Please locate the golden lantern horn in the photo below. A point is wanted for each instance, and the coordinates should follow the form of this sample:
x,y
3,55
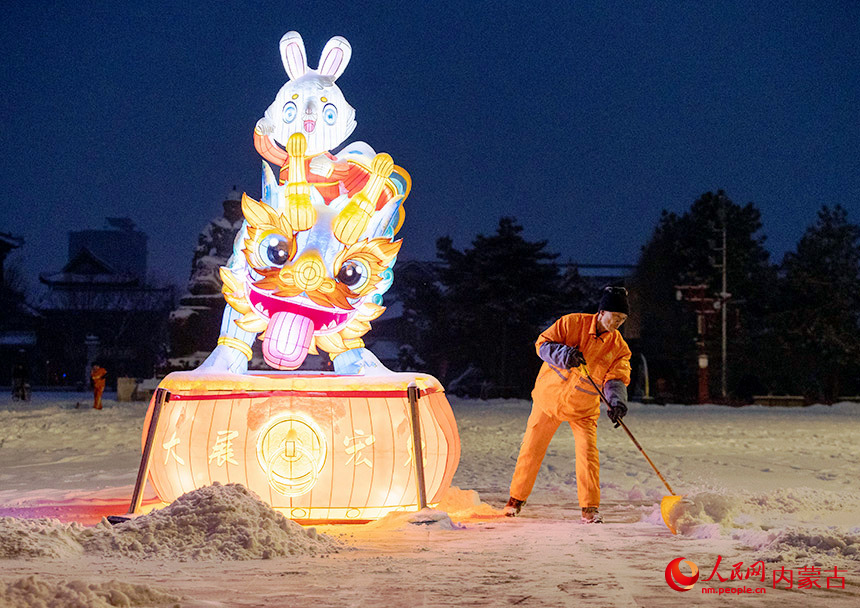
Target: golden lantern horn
x,y
297,191
352,221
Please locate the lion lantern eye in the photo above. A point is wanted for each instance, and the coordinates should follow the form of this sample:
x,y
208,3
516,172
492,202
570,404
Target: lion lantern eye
x,y
353,274
275,249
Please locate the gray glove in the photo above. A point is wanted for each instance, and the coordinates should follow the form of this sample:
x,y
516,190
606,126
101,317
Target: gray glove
x,y
561,355
616,394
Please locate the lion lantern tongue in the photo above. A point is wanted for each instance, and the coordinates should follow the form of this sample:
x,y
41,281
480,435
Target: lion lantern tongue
x,y
287,340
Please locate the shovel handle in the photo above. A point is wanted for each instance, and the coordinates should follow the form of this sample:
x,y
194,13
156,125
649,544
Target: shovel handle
x,y
626,430
636,443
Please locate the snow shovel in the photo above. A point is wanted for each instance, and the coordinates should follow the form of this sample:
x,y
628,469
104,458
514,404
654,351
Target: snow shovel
x,y
668,502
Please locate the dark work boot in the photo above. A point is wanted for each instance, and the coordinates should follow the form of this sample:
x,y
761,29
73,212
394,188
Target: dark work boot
x,y
512,509
591,516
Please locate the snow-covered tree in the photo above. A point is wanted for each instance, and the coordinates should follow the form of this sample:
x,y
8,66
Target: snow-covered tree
x,y
686,249
487,305
819,316
215,246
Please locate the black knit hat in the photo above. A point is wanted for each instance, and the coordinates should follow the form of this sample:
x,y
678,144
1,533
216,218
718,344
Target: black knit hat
x,y
614,299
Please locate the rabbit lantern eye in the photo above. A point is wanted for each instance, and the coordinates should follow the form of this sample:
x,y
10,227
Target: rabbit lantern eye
x,y
353,274
275,249
329,113
290,112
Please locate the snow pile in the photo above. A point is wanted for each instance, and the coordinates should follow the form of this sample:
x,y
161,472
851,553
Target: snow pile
x,y
796,543
456,505
217,522
34,592
213,522
432,517
38,538
805,501
614,492
700,515
780,508
462,504
406,520
799,544
765,522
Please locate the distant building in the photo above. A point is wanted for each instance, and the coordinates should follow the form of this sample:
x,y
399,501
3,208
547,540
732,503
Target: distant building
x,y
98,307
8,243
121,246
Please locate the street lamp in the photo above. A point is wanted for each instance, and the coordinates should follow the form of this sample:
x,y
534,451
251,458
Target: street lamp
x,y
703,377
723,295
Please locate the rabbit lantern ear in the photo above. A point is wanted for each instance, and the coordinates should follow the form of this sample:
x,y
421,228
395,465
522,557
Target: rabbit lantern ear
x,y
293,55
334,58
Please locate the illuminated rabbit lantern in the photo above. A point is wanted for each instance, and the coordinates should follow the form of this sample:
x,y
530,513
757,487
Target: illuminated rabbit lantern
x,y
308,271
316,252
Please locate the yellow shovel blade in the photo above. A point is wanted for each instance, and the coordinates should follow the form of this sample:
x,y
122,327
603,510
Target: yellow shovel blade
x,y
666,505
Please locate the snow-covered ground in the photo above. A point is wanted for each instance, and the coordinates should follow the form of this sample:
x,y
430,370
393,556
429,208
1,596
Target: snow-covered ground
x,y
771,484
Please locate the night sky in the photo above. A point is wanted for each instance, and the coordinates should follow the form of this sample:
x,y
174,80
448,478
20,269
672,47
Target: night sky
x,y
581,119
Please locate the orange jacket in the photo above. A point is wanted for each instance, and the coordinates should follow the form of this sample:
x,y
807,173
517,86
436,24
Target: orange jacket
x,y
98,374
566,393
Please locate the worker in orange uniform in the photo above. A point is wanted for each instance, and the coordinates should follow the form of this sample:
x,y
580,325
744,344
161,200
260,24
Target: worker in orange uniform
x,y
563,393
98,374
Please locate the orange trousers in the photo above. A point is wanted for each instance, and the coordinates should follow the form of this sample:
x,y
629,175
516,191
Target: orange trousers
x,y
539,431
97,396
